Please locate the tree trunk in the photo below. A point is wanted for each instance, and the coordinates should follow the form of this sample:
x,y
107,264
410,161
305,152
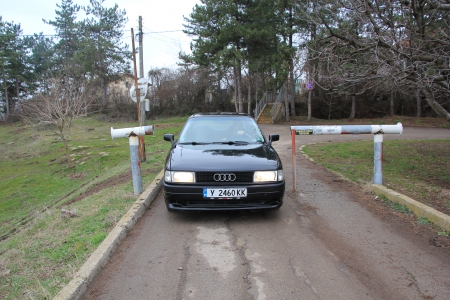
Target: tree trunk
x,y
239,85
436,106
419,104
6,93
291,70
235,90
104,88
249,104
286,100
329,109
391,108
309,104
17,91
313,67
256,91
353,112
292,89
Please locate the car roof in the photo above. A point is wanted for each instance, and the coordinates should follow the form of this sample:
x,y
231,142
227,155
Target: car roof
x,y
220,114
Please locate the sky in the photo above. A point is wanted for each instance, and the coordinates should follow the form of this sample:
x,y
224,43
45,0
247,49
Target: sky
x,y
162,22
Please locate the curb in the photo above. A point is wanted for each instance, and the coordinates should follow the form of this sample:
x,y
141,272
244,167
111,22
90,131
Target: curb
x,y
419,209
100,257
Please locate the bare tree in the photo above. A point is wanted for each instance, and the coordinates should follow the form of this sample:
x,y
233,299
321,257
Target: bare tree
x,y
66,101
394,46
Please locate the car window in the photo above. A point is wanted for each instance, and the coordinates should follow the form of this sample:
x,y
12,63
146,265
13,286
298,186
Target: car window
x,y
221,130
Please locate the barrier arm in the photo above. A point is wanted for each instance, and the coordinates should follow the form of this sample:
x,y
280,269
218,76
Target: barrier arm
x,y
377,130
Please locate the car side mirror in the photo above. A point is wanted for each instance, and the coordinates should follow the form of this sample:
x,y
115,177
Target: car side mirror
x,y
170,138
273,138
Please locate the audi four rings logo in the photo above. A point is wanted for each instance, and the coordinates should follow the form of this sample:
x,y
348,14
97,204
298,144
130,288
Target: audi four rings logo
x,y
224,177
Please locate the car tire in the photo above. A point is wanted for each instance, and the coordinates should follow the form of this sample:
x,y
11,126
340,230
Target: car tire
x,y
168,208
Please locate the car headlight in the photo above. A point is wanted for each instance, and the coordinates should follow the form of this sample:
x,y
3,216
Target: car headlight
x,y
179,177
265,176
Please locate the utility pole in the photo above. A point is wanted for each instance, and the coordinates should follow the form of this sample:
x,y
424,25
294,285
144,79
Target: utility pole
x,y
142,103
141,145
138,100
141,52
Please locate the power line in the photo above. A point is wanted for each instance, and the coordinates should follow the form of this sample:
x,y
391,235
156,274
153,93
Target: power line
x,y
170,42
164,31
165,38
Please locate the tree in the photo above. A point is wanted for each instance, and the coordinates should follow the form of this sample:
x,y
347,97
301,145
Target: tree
x,y
253,35
42,61
66,100
102,53
387,45
92,48
13,62
217,45
68,31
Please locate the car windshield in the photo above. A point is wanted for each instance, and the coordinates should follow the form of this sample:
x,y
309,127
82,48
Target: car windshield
x,y
224,130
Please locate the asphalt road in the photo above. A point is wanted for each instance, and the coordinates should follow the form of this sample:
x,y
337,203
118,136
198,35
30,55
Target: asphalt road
x,y
321,244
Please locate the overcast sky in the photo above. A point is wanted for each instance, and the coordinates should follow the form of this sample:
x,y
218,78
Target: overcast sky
x,y
162,24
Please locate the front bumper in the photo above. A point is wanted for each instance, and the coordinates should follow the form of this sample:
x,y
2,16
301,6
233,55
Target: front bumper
x,y
190,197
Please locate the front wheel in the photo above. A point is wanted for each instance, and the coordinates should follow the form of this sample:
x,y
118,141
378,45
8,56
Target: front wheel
x,y
168,208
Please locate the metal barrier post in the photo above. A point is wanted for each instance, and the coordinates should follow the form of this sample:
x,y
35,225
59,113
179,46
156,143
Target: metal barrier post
x,y
294,165
378,158
135,164
133,135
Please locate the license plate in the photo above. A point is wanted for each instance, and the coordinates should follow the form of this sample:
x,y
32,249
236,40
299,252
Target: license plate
x,y
225,193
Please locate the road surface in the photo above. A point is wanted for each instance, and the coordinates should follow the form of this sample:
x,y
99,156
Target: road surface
x,y
326,242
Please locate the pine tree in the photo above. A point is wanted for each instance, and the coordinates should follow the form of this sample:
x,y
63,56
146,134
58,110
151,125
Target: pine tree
x,y
68,31
103,54
13,63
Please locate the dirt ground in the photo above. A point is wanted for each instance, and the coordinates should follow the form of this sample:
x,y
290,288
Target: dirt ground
x,y
399,221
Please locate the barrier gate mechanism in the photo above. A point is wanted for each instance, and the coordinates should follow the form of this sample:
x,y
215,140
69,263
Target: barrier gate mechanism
x,y
132,134
376,130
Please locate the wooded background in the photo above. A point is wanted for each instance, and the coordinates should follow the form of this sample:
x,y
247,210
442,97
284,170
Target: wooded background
x,y
365,58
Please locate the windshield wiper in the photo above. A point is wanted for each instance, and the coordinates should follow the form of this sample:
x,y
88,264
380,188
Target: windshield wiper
x,y
232,143
194,143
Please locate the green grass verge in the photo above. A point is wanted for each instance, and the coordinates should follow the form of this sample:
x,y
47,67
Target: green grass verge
x,y
40,249
419,169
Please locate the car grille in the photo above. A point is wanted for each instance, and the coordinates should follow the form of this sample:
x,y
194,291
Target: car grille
x,y
209,176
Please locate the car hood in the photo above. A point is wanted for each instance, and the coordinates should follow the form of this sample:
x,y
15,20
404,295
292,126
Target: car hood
x,y
223,157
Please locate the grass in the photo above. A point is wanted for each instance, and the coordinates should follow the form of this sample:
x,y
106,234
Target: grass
x,y
418,169
397,206
40,249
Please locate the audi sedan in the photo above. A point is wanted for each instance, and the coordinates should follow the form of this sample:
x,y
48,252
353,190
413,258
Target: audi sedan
x,y
222,161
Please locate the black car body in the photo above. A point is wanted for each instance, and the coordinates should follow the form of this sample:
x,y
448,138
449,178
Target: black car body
x,y
211,167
